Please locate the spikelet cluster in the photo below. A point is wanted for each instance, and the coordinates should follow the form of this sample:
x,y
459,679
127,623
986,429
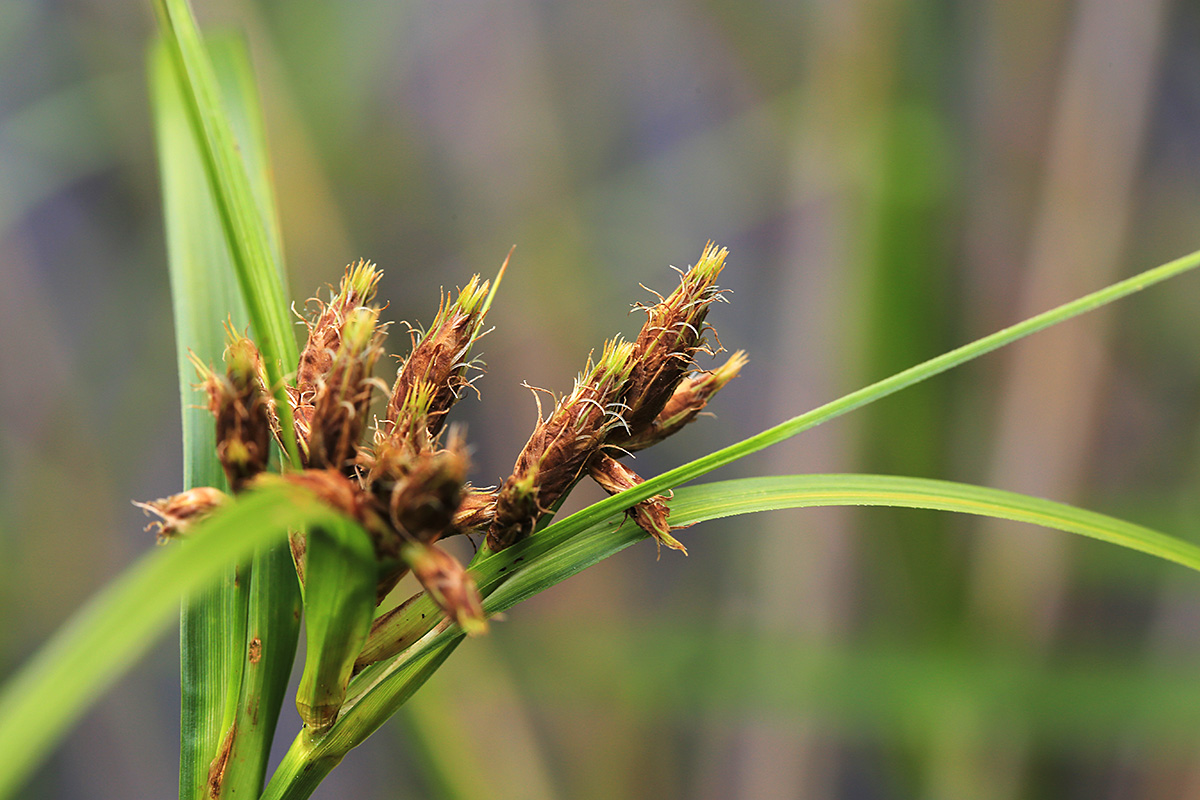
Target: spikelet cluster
x,y
636,395
407,483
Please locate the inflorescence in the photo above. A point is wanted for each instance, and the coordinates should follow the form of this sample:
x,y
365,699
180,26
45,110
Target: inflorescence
x,y
406,482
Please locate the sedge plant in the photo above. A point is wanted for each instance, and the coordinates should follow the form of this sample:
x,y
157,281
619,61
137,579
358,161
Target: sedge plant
x,y
300,501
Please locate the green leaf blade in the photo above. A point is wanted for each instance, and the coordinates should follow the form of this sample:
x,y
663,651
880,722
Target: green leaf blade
x,y
729,498
204,293
563,549
242,219
222,689
880,389
53,688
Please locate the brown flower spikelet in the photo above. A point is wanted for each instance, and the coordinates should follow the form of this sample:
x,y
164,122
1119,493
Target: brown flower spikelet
x,y
557,452
476,510
398,442
357,288
239,402
650,514
343,395
668,342
440,357
688,400
449,585
424,501
180,511
419,482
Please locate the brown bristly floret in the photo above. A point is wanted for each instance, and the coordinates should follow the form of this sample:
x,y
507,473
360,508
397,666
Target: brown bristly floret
x,y
650,514
398,442
441,357
665,349
424,501
686,403
477,509
357,288
560,446
421,500
240,404
449,585
180,511
420,482
343,395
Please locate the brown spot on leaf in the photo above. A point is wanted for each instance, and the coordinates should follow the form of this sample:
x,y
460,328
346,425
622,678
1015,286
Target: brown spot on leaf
x,y
216,771
255,650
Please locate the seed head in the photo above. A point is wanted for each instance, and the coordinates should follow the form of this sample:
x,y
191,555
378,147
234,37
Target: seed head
x,y
557,452
668,342
440,358
180,511
650,514
448,584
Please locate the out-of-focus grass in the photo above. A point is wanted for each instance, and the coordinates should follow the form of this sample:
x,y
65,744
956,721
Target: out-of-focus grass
x,y
607,143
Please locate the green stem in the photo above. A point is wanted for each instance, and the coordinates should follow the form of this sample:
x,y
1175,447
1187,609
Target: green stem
x,y
301,771
311,758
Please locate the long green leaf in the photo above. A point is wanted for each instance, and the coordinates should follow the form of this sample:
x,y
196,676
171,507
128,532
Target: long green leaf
x,y
247,230
222,689
878,390
205,293
509,577
563,549
108,634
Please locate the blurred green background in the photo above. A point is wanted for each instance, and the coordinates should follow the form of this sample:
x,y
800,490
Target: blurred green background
x,y
892,178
